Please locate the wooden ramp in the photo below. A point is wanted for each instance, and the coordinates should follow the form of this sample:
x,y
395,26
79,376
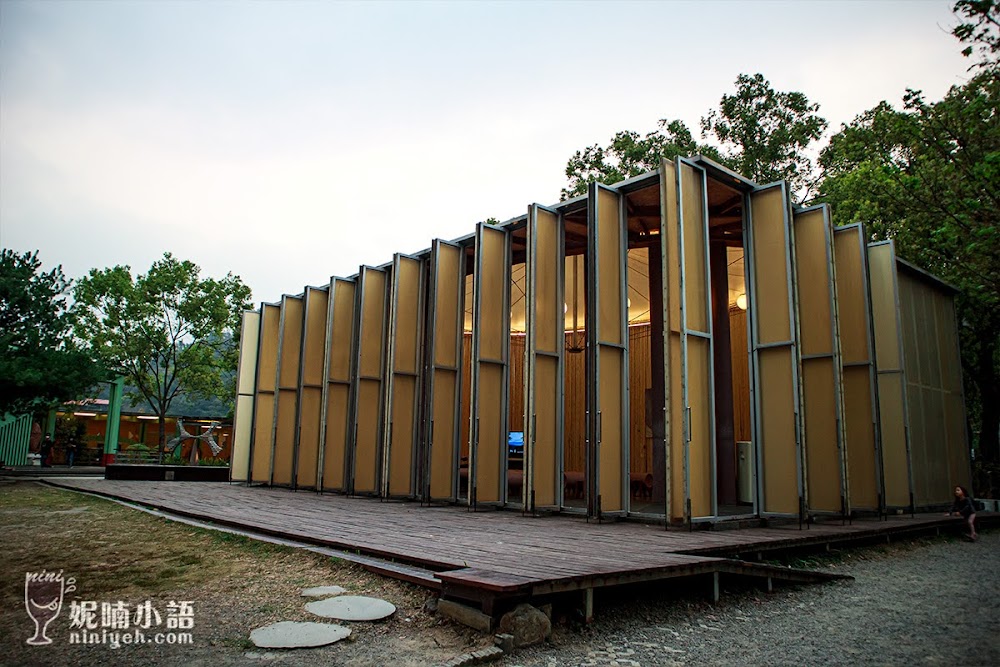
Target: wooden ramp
x,y
498,557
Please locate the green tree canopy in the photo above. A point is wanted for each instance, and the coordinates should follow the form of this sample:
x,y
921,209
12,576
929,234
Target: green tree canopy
x,y
757,131
167,331
765,134
979,30
928,176
630,154
40,361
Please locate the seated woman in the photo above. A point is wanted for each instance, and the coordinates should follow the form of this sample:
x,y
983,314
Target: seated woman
x,y
964,506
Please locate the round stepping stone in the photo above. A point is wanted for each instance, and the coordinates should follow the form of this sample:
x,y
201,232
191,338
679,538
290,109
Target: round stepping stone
x,y
295,634
352,608
323,591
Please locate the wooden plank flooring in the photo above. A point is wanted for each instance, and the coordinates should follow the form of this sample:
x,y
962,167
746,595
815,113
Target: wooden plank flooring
x,y
497,553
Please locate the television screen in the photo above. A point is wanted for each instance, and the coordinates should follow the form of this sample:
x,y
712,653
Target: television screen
x,y
515,441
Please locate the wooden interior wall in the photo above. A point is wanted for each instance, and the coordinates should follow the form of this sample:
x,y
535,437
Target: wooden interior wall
x,y
575,409
640,374
466,409
515,416
516,366
741,374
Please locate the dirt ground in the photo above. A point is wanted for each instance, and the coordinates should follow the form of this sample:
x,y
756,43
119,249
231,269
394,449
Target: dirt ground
x,y
918,601
234,585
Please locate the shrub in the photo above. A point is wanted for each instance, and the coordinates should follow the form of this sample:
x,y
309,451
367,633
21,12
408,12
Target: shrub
x,y
213,461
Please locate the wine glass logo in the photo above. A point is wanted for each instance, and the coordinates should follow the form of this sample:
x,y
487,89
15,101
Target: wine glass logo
x,y
43,598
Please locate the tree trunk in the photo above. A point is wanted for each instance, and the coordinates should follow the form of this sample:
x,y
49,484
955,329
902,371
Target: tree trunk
x,y
162,438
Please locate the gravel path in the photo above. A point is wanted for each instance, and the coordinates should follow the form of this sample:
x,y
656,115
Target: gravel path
x,y
928,602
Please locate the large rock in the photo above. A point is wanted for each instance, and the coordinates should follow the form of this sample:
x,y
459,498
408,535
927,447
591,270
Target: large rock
x,y
352,608
293,634
527,624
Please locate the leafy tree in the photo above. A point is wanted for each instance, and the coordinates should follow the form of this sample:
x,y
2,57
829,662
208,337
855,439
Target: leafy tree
x,y
41,363
71,430
765,134
166,331
630,154
759,132
980,29
927,176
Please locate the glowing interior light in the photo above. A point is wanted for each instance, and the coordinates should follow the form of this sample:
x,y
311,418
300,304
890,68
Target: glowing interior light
x,y
741,302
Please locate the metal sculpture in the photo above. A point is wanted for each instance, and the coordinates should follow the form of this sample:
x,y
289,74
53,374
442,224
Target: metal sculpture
x,y
174,445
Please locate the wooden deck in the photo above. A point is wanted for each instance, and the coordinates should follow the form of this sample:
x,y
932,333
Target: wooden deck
x,y
491,557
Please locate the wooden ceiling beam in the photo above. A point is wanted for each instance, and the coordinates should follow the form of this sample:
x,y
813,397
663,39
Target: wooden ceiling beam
x,y
727,206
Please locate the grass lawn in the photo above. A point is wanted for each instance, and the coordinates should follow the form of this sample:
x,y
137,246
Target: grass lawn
x,y
234,583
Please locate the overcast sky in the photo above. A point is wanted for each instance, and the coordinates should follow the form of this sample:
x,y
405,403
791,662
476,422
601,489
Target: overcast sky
x,y
287,142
